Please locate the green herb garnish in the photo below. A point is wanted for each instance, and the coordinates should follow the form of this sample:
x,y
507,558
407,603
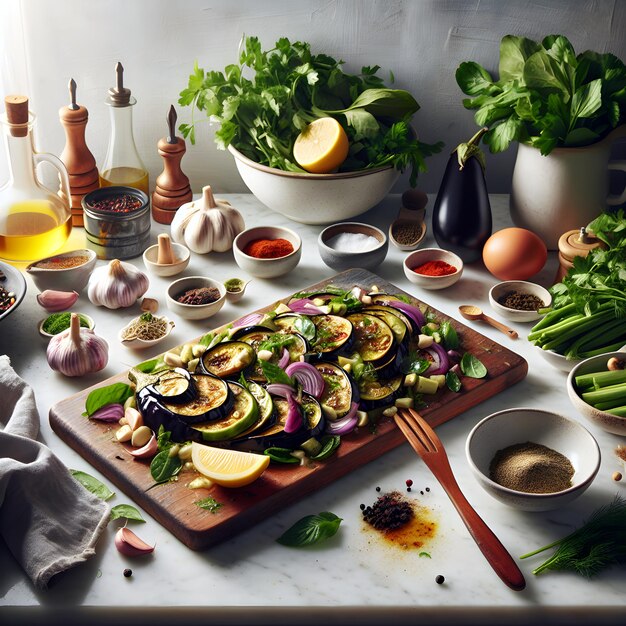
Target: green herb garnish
x,y
265,101
453,382
164,467
93,485
472,367
275,374
209,504
598,544
310,529
281,455
126,511
58,322
117,393
330,443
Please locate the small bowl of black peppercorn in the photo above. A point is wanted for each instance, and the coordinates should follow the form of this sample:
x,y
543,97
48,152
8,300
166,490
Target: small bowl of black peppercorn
x,y
519,300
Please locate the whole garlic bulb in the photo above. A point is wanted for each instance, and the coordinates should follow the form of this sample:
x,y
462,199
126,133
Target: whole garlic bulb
x,y
207,225
77,351
117,285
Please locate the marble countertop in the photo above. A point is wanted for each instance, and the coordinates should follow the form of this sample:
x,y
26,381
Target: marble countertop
x,y
355,576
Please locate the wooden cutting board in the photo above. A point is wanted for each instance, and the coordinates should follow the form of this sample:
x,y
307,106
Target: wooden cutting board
x,y
173,504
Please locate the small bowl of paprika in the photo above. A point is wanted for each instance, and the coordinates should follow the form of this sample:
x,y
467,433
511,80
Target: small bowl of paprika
x,y
433,268
267,251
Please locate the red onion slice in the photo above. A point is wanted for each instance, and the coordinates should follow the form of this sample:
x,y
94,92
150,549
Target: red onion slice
x,y
108,413
305,306
280,389
308,376
284,359
344,425
441,363
409,310
251,319
294,420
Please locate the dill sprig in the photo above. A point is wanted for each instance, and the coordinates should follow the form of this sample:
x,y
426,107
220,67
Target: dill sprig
x,y
599,543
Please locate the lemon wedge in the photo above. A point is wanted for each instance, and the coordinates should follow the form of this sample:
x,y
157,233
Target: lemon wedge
x,y
322,146
228,468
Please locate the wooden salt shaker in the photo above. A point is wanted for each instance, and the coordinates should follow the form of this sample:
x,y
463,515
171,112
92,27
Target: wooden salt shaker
x,y
172,188
76,156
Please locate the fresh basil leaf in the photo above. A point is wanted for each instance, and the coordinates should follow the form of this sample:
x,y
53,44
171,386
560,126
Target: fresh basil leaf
x,y
281,455
453,382
330,443
473,79
514,52
126,511
472,367
305,327
92,485
163,438
147,367
164,467
449,335
275,374
276,342
413,364
209,504
310,529
117,393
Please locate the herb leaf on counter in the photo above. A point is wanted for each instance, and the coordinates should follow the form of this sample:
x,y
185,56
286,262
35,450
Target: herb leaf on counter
x,y
310,529
92,485
126,511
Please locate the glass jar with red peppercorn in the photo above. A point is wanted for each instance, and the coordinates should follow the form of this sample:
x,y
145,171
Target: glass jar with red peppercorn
x,y
117,222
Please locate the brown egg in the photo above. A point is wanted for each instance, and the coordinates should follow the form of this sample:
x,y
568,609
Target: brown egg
x,y
514,254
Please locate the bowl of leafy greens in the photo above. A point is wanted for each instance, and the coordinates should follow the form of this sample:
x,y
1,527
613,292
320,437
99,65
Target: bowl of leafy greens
x,y
270,99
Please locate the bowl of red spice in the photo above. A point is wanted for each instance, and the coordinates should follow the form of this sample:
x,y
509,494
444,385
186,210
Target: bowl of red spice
x,y
531,459
195,297
68,271
433,268
519,300
267,251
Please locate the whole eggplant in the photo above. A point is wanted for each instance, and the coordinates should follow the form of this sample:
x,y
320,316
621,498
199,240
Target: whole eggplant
x,y
462,213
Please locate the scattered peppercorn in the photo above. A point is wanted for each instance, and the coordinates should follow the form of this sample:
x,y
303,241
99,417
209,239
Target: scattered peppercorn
x,y
128,573
362,507
617,476
388,512
118,204
421,493
439,579
409,482
377,488
427,488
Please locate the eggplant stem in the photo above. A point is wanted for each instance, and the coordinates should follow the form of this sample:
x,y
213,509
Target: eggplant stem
x,y
475,140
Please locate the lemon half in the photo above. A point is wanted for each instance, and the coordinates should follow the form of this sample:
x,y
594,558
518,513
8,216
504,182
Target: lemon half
x,y
228,468
322,146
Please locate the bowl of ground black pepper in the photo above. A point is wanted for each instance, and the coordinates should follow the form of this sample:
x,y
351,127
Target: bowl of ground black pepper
x,y
519,300
531,459
267,251
195,297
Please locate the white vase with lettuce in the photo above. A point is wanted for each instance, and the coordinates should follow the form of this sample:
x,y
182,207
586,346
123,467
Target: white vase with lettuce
x,y
565,111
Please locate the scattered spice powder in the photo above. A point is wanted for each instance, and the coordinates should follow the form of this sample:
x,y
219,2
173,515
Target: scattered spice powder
x,y
201,295
521,301
124,203
62,262
531,468
406,233
268,248
435,268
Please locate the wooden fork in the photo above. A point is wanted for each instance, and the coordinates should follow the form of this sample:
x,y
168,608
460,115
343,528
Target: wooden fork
x,y
428,446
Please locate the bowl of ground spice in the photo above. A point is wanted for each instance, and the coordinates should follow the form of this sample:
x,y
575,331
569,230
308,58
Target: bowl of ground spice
x,y
519,300
195,297
433,268
68,271
267,251
531,459
346,245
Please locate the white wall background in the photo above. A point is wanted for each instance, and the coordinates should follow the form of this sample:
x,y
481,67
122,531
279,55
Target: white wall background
x,y
43,43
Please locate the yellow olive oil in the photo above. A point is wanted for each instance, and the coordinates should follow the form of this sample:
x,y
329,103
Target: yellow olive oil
x,y
127,176
32,229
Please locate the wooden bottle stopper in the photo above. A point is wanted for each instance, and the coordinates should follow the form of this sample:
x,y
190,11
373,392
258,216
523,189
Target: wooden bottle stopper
x,y
172,188
16,108
78,159
165,254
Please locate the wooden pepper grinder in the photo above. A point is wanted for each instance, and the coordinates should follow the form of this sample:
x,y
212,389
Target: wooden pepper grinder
x,y
172,188
78,160
574,243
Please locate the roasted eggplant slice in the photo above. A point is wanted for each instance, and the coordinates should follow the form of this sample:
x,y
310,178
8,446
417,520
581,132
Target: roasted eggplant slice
x,y
228,359
267,414
339,389
244,413
398,326
334,335
374,339
386,310
175,386
380,393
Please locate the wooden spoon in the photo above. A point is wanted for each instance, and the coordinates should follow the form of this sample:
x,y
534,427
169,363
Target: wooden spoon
x,y
470,312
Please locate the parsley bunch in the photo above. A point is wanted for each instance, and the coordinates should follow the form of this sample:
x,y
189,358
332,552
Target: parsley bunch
x,y
290,87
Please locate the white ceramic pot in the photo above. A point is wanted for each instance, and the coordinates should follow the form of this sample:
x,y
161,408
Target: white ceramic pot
x,y
564,190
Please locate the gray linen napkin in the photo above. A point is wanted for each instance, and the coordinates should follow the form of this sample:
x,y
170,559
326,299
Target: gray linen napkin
x,y
48,520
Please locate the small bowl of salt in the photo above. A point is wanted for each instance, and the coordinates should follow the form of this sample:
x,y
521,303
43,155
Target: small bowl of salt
x,y
346,245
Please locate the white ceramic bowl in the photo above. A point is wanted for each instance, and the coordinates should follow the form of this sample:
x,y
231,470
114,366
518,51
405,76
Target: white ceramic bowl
x,y
235,296
341,260
316,198
419,257
43,333
194,311
521,425
13,282
500,290
141,344
267,268
69,279
557,360
606,421
181,253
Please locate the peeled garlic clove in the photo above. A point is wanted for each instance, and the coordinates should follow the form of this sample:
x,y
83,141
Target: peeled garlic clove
x,y
127,542
133,418
148,451
141,436
52,300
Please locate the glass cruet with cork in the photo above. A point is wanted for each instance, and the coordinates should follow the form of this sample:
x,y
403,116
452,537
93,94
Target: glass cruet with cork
x,y
122,164
35,221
